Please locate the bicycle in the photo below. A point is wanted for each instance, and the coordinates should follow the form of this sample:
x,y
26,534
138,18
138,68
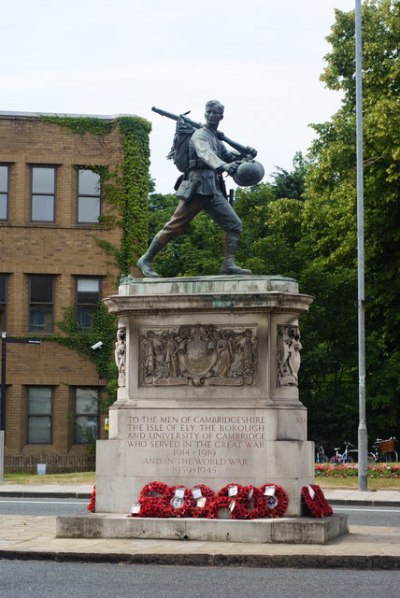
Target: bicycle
x,y
383,450
320,456
343,457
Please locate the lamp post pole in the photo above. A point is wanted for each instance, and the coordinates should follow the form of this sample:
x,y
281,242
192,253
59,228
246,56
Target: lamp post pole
x,y
362,426
3,381
3,402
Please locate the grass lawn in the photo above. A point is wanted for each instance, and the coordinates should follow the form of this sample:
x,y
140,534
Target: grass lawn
x,y
82,477
352,483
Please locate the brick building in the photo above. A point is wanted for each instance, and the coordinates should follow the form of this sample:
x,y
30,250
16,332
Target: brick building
x,y
51,198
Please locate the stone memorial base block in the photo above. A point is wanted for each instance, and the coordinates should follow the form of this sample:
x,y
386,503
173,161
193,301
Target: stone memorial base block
x,y
208,388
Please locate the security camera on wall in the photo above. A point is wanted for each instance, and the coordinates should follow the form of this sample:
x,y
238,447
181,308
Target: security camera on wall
x,y
97,345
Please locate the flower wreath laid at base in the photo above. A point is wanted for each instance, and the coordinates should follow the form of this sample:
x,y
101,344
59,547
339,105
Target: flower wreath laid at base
x,y
233,501
314,502
92,503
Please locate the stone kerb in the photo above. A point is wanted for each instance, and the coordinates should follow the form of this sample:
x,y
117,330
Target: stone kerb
x,y
208,388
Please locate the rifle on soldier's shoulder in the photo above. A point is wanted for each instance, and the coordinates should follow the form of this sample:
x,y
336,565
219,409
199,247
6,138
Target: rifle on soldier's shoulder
x,y
245,151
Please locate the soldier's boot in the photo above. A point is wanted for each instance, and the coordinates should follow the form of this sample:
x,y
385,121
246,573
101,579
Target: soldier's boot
x,y
231,243
145,262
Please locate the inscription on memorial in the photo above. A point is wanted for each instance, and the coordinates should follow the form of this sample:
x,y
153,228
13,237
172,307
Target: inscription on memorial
x,y
197,444
198,355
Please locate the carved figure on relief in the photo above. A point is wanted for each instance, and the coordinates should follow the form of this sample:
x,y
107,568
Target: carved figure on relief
x,y
120,354
288,355
198,355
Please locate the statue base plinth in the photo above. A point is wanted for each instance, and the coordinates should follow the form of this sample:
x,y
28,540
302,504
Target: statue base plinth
x,y
259,531
208,388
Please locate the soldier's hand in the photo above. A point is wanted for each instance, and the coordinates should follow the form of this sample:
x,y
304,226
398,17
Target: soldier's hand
x,y
232,168
183,127
251,152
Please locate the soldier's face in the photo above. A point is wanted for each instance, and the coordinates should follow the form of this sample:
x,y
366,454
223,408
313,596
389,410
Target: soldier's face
x,y
213,117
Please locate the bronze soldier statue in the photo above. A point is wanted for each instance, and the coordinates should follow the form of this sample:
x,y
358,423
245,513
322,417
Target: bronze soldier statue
x,y
201,187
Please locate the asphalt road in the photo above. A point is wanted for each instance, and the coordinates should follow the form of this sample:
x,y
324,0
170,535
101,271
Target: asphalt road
x,y
89,580
42,506
381,516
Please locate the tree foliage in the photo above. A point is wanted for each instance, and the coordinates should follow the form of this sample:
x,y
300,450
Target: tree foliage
x,y
330,225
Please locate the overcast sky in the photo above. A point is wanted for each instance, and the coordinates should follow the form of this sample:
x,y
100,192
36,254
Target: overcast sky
x,y
261,58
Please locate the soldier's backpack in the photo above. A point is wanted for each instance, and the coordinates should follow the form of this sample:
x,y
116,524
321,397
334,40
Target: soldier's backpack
x,y
179,152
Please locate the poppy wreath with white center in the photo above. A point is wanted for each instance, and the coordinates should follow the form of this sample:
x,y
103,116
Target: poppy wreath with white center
x,y
152,506
208,495
229,504
154,489
186,507
275,505
316,506
254,503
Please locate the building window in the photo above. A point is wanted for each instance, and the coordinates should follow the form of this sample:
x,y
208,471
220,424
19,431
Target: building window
x,y
43,193
86,415
87,298
40,400
41,303
89,193
4,175
3,301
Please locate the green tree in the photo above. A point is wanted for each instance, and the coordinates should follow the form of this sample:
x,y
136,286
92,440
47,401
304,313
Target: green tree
x,y
329,222
290,185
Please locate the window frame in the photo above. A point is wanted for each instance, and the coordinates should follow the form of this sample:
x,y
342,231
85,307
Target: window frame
x,y
76,439
53,195
80,195
3,326
49,415
44,330
81,305
6,192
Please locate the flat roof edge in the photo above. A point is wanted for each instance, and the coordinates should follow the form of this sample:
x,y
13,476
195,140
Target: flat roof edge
x,y
6,114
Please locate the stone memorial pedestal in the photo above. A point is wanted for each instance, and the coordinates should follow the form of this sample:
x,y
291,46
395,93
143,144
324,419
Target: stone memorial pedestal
x,y
208,394
208,388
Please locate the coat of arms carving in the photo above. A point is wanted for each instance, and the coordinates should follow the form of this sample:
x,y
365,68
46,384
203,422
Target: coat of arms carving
x,y
198,355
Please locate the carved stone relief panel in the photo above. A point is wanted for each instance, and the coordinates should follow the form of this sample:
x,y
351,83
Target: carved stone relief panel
x,y
120,355
198,355
288,355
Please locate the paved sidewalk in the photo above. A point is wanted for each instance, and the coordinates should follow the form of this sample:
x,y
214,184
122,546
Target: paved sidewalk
x,y
366,547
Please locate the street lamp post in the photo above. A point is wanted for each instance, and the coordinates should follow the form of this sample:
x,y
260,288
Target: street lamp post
x,y
362,426
2,403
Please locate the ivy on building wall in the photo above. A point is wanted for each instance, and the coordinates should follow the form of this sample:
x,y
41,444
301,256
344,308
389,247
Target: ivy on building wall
x,y
136,186
80,124
125,188
103,329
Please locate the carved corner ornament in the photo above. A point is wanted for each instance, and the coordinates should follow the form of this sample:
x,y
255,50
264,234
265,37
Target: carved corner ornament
x,y
120,355
198,355
288,355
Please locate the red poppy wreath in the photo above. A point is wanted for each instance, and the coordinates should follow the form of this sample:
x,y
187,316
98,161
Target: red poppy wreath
x,y
314,502
274,499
